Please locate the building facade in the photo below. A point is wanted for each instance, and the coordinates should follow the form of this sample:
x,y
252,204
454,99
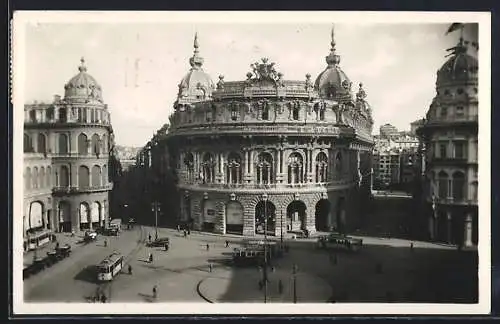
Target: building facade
x,y
66,153
450,137
388,130
295,155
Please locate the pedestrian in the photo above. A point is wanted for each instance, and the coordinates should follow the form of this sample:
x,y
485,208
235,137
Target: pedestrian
x,y
72,233
280,286
149,238
129,269
208,247
178,228
57,245
227,243
189,230
166,247
273,269
411,246
150,257
210,267
155,292
105,242
103,298
185,233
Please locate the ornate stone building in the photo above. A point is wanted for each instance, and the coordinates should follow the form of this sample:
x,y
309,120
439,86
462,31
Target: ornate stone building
x,y
296,152
66,153
449,135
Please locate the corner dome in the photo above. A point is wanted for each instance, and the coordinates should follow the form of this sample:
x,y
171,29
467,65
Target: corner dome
x,y
82,87
196,85
333,82
461,67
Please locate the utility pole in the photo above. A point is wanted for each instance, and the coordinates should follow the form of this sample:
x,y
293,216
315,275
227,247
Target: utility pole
x,y
294,269
281,226
264,197
156,207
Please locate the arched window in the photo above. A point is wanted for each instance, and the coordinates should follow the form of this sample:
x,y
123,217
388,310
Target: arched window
x,y
28,146
96,176
295,168
63,176
104,174
321,167
458,186
83,144
27,179
265,111
233,168
96,149
83,177
62,115
41,144
473,193
265,168
63,144
443,185
208,168
41,176
295,111
105,144
189,165
35,178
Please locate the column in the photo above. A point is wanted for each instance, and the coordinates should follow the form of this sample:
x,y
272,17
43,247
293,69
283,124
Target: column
x,y
449,227
247,164
237,176
251,165
278,166
301,174
468,230
229,174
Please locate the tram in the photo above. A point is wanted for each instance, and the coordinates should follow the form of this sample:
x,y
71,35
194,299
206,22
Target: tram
x,y
37,239
110,267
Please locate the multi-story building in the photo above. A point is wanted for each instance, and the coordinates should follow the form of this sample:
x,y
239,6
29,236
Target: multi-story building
x,y
66,154
415,125
451,151
388,130
290,154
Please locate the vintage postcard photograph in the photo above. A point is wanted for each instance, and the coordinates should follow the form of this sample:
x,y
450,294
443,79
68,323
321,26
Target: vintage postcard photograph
x,y
251,162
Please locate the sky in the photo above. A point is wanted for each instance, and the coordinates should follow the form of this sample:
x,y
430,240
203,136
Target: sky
x,y
139,65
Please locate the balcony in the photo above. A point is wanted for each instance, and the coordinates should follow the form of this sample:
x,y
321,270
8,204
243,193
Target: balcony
x,y
71,155
273,186
74,190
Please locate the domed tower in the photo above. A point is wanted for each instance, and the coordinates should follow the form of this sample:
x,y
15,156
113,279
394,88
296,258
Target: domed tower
x,y
196,84
451,160
266,151
76,135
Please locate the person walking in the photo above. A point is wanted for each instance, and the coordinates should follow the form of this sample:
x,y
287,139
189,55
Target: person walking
x,y
185,233
210,266
103,298
129,269
155,292
280,287
150,257
105,243
208,247
178,228
166,246
227,243
57,245
149,238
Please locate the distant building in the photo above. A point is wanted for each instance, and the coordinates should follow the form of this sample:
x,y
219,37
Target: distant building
x,y
415,125
450,135
388,130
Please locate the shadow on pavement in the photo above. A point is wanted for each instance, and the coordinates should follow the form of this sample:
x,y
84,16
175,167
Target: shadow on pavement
x,y
88,274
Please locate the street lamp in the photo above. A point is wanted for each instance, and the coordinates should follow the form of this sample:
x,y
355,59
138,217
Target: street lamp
x,y
156,208
294,271
264,198
281,226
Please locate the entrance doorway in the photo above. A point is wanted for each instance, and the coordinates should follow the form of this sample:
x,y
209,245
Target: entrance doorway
x,y
263,210
322,214
296,216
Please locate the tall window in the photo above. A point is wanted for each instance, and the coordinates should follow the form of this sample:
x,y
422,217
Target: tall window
x,y
83,177
322,113
459,150
63,176
35,178
96,149
444,112
443,148
83,144
338,162
27,179
41,176
321,167
459,113
41,144
208,168
265,111
62,116
33,116
63,143
189,164
96,176
265,168
234,113
443,185
295,112
458,186
295,168
28,145
80,115
233,168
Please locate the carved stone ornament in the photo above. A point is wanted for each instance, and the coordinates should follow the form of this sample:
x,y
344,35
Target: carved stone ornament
x,y
265,71
232,197
324,195
296,196
205,195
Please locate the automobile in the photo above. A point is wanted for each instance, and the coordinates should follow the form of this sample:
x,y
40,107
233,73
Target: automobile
x,y
63,251
339,241
159,242
90,236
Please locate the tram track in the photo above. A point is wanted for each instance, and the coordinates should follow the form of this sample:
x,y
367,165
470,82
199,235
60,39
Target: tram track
x,y
106,287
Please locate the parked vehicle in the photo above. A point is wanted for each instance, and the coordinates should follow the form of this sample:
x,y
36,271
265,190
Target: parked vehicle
x,y
339,241
159,242
90,236
116,223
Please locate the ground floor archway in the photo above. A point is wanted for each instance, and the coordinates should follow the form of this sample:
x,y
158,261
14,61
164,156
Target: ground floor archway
x,y
209,215
35,218
85,219
265,210
234,217
322,213
296,216
64,210
95,215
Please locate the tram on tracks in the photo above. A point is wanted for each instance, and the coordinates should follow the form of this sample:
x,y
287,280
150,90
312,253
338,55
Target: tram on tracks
x,y
110,267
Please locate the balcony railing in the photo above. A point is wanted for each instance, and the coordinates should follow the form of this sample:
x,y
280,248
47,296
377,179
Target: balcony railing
x,y
75,189
305,185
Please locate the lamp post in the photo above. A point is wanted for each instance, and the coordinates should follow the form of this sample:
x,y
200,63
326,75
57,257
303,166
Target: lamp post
x,y
156,208
294,272
264,197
